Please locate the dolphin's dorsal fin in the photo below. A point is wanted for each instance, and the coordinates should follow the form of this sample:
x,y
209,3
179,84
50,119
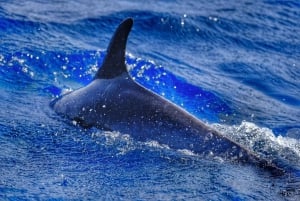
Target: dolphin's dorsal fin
x,y
114,62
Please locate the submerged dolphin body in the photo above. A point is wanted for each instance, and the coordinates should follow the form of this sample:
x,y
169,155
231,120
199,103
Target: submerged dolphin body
x,y
114,101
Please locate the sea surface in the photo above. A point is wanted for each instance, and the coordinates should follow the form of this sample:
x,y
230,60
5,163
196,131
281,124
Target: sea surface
x,y
233,64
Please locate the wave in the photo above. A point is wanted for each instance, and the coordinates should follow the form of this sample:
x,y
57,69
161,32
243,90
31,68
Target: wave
x,y
284,151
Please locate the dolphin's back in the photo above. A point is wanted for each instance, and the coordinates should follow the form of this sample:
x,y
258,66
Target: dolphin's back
x,y
114,101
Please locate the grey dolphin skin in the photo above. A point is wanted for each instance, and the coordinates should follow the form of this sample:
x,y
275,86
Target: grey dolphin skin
x,y
114,101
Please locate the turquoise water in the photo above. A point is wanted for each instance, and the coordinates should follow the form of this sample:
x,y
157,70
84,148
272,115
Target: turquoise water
x,y
235,65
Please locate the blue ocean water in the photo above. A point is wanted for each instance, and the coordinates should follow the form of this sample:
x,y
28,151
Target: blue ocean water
x,y
235,65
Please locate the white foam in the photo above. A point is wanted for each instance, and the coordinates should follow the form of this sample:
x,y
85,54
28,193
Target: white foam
x,y
262,141
257,139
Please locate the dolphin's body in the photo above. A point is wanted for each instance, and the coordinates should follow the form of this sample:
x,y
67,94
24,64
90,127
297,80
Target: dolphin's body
x,y
114,101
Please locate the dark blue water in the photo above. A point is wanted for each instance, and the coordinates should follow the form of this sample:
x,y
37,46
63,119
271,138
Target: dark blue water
x,y
235,65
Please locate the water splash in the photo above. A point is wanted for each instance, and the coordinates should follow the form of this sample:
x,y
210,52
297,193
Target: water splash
x,y
261,140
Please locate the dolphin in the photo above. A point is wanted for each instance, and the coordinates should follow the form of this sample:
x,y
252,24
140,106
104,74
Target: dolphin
x,y
113,101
